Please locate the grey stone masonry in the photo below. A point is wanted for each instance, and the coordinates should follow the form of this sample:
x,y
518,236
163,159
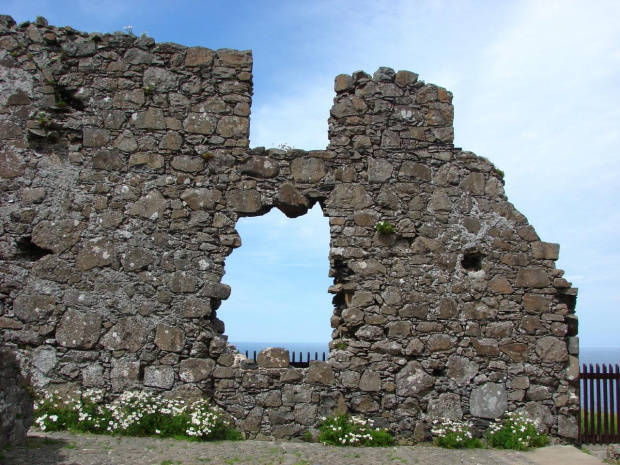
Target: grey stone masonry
x,y
16,404
124,167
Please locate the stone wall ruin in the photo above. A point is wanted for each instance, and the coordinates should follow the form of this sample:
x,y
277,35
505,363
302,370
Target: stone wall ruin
x,y
124,167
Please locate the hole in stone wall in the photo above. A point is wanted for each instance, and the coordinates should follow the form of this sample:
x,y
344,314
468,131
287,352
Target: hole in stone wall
x,y
30,251
66,98
279,280
569,300
472,261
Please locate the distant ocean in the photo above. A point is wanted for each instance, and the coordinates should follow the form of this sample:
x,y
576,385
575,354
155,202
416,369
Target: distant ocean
x,y
588,355
297,347
600,355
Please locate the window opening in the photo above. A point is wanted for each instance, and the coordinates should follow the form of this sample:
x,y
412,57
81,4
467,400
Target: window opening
x,y
279,281
472,261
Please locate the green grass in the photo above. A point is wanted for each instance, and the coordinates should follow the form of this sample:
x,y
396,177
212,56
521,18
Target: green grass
x,y
592,423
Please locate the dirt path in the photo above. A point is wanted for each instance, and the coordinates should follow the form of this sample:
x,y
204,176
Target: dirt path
x,y
63,448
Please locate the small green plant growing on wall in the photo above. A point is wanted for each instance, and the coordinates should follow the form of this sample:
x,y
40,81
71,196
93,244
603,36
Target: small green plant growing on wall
x,y
60,103
149,89
43,119
342,345
286,147
385,227
347,430
129,30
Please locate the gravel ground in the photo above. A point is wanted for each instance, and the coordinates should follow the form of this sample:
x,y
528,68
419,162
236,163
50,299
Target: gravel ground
x,y
64,448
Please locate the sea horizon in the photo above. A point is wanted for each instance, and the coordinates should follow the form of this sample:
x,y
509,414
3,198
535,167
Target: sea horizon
x,y
587,355
297,347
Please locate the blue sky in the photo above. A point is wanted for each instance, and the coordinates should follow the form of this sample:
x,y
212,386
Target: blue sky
x,y
536,90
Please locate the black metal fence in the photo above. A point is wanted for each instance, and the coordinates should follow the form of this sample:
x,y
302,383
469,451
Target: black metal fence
x,y
297,359
599,422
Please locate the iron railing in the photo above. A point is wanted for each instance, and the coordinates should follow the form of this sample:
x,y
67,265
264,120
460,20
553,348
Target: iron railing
x,y
293,358
599,421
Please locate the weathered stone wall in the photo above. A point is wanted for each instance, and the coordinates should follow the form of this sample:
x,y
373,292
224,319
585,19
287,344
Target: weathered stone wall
x,y
16,405
124,168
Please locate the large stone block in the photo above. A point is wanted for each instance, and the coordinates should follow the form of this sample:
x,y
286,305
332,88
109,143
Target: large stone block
x,y
534,303
194,370
136,259
34,307
244,200
159,376
461,369
151,206
551,349
182,282
96,253
370,381
320,373
545,250
412,381
128,334
446,406
348,106
11,163
58,235
108,160
199,56
95,137
169,338
195,307
124,375
349,196
152,118
379,170
188,164
233,126
216,290
291,202
160,80
273,357
438,342
152,160
364,404
200,123
489,401
79,330
518,352
308,169
532,277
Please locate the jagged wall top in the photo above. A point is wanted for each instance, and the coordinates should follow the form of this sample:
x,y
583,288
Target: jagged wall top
x,y
417,114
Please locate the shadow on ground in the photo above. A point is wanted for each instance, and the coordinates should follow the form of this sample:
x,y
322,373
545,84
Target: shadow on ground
x,y
37,450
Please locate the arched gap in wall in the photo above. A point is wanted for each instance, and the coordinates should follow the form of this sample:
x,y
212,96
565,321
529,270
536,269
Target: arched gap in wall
x,y
279,281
